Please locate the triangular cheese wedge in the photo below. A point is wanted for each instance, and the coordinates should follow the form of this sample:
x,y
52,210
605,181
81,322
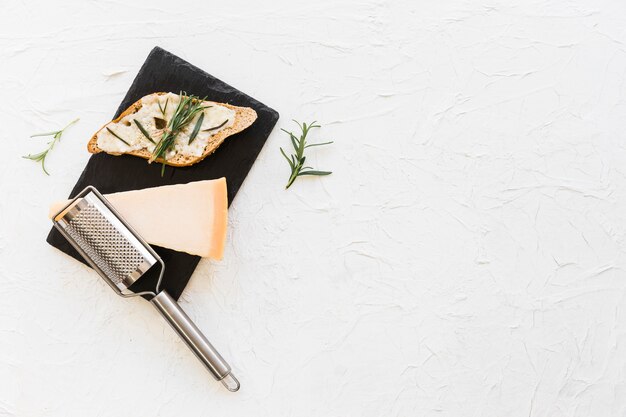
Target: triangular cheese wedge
x,y
188,218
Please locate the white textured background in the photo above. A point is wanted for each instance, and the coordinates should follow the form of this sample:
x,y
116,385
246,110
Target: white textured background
x,y
466,258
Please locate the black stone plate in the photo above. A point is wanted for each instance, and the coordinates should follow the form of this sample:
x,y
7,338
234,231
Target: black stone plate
x,y
164,71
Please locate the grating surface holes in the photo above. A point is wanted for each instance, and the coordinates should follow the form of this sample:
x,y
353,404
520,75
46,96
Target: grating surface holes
x,y
106,247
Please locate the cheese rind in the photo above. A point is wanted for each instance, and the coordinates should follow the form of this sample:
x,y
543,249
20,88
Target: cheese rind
x,y
188,218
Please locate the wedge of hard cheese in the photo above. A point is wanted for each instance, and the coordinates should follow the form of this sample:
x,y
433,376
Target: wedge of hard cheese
x,y
188,218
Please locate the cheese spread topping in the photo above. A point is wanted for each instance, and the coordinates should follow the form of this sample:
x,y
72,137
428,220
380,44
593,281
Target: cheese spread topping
x,y
130,138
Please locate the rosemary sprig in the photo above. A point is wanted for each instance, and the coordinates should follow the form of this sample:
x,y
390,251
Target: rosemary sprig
x,y
117,136
143,130
188,107
41,156
296,161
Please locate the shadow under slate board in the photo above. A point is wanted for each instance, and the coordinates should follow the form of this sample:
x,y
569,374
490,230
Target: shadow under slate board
x,y
164,71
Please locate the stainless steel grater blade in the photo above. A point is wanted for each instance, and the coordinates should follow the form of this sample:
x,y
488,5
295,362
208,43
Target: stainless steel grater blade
x,y
117,254
120,256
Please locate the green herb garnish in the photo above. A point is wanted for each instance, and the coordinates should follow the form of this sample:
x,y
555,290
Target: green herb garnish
x,y
164,107
216,127
196,128
296,162
187,108
56,136
144,131
117,136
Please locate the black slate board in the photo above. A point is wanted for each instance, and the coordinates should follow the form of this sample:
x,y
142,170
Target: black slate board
x,y
164,71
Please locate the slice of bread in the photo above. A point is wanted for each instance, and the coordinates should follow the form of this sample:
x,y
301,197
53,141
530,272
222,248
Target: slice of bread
x,y
244,117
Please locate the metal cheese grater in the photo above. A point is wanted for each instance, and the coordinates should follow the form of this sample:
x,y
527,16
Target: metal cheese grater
x,y
121,257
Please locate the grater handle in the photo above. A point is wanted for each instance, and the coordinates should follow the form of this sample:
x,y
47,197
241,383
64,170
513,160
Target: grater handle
x,y
194,339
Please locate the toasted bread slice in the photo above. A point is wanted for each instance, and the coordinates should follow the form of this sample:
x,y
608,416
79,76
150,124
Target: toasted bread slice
x,y
244,117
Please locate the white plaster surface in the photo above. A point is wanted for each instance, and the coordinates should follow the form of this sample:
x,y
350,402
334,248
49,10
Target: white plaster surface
x,y
466,258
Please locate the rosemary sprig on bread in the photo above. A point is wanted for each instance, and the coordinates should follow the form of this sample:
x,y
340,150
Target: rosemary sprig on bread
x,y
188,107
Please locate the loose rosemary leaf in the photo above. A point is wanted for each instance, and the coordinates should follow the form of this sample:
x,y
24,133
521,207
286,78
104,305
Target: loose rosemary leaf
x,y
196,128
216,127
315,173
143,131
117,136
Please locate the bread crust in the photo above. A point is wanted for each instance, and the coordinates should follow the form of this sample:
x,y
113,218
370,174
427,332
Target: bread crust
x,y
244,117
